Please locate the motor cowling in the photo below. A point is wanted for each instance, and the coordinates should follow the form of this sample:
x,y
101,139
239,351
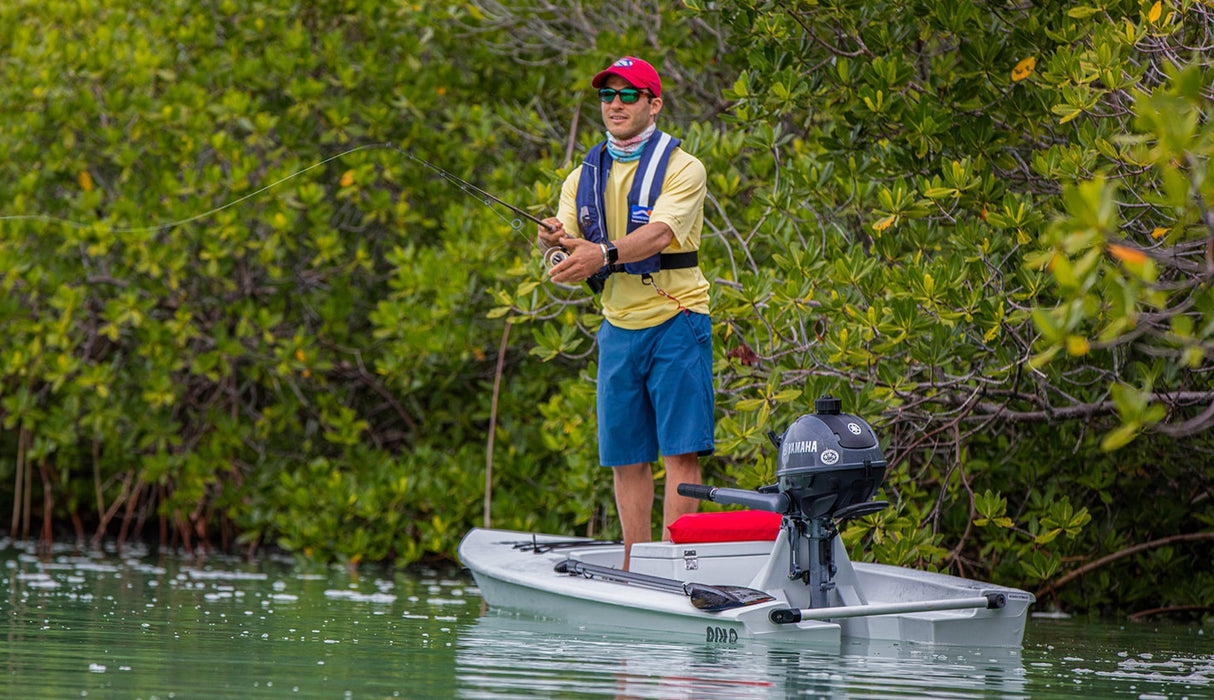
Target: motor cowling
x,y
828,461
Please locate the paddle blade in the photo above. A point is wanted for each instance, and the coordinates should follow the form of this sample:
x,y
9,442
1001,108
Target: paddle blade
x,y
718,598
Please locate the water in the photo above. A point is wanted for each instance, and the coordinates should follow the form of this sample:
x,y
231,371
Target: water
x,y
80,624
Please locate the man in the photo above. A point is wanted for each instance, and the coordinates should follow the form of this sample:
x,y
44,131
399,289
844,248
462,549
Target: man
x,y
630,219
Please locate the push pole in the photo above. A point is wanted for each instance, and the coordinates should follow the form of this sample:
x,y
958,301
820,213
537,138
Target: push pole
x,y
786,616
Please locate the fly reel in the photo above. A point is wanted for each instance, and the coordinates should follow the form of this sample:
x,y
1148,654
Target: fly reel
x,y
553,257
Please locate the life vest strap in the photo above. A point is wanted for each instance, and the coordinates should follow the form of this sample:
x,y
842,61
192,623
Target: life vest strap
x,y
669,261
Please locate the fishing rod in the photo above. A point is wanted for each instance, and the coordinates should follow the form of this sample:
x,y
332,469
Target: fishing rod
x,y
552,255
473,189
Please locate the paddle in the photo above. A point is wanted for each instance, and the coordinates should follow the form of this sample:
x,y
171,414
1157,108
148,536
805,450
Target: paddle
x,y
710,598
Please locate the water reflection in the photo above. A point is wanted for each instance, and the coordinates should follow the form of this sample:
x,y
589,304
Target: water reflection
x,y
502,655
135,625
1140,660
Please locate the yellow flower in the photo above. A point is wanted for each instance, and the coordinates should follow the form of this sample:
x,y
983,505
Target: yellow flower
x,y
1024,68
85,180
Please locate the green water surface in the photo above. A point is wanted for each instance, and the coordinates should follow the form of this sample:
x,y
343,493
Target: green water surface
x,y
133,625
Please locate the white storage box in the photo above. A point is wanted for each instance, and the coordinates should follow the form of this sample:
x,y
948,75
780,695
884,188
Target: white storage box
x,y
721,563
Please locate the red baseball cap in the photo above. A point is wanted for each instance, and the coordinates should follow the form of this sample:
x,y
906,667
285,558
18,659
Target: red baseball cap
x,y
638,73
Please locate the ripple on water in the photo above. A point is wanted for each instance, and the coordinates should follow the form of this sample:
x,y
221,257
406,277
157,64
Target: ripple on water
x,y
133,626
357,597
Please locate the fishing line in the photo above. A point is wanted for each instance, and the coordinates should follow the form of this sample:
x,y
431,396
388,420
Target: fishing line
x,y
211,212
468,188
552,255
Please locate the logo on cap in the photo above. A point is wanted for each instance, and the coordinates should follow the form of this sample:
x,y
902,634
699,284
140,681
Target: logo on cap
x,y
623,63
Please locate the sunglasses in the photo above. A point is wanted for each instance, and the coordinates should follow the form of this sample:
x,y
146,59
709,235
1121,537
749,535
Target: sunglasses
x,y
627,95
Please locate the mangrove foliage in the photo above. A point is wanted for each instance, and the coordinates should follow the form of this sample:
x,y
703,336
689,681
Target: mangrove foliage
x,y
238,311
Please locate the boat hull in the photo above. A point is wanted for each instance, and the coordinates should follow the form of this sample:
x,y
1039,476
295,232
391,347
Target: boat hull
x,y
516,571
526,581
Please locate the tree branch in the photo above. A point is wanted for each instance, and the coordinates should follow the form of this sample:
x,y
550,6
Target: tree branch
x,y
1087,568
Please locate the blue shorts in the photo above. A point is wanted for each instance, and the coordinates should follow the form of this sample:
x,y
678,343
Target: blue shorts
x,y
655,390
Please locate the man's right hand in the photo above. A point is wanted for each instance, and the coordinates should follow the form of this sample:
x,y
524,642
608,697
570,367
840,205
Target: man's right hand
x,y
551,238
584,259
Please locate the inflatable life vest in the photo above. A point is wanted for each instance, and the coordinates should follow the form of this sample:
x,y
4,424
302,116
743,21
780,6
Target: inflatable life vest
x,y
646,186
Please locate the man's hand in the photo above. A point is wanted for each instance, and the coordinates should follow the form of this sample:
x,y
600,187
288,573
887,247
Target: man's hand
x,y
585,259
551,237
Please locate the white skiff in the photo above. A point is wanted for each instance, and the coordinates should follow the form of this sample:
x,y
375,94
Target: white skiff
x,y
519,571
788,580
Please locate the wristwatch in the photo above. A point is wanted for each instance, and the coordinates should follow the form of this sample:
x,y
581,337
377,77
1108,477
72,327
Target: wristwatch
x,y
612,254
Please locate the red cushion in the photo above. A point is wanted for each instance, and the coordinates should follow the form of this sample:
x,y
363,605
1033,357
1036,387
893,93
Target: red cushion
x,y
729,526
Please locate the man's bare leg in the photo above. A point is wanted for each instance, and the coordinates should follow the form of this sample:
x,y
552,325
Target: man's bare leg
x,y
634,501
680,469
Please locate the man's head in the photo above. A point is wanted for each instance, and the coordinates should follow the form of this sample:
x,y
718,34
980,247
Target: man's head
x,y
630,95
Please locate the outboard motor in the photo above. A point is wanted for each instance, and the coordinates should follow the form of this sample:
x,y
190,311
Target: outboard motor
x,y
829,462
828,468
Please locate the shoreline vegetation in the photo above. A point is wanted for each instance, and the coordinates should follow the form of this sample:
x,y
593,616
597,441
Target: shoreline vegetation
x,y
230,321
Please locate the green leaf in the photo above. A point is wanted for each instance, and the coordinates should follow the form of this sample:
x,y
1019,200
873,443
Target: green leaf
x,y
1120,436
